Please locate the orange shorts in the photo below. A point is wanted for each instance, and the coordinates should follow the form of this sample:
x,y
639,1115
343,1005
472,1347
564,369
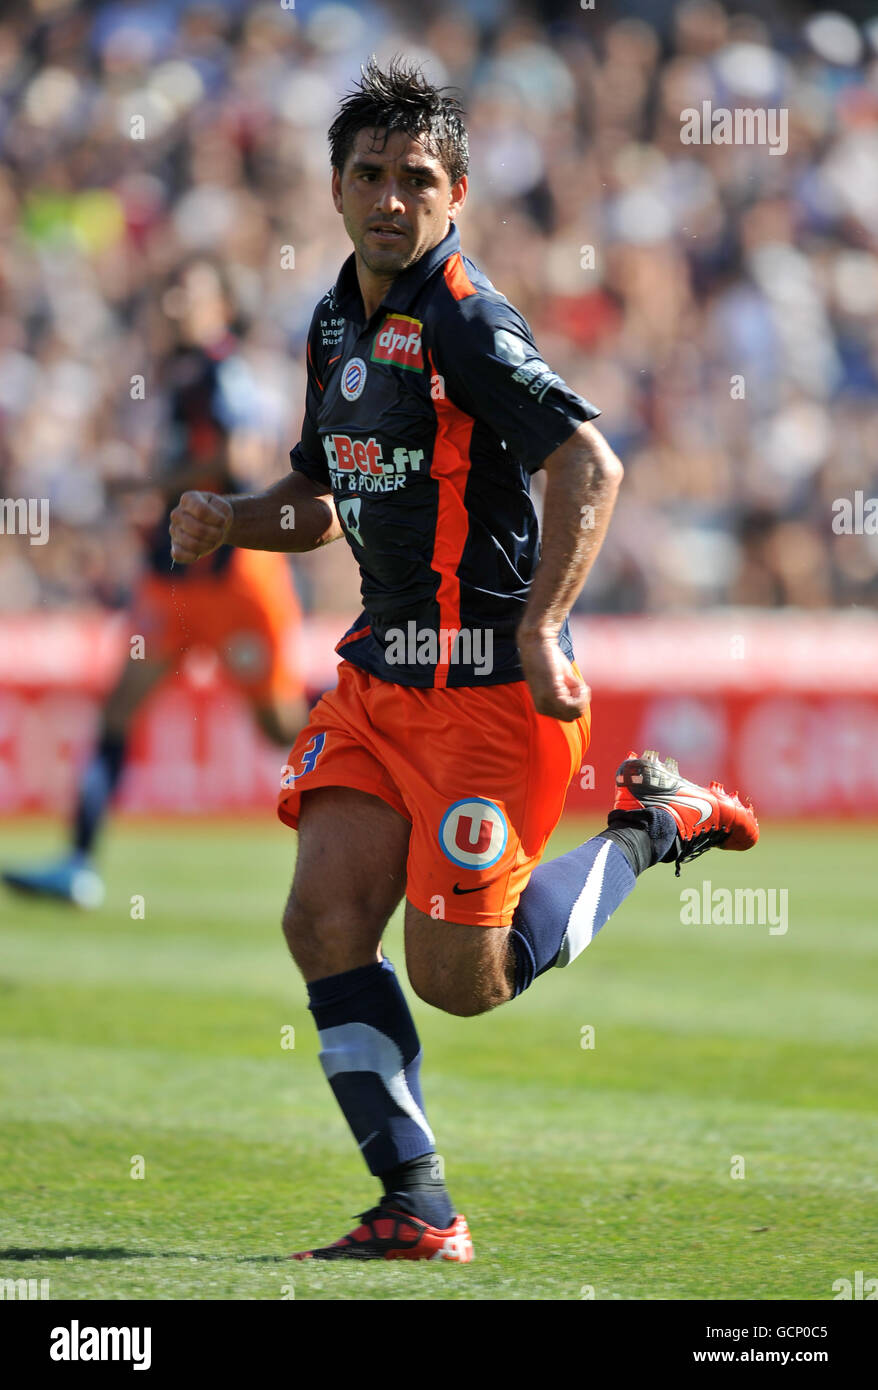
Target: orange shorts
x,y
248,614
479,774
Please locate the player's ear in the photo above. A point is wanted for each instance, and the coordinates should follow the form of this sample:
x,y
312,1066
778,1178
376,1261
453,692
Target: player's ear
x,y
457,197
335,188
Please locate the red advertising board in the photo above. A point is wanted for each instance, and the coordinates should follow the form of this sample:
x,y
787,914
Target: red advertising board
x,y
784,707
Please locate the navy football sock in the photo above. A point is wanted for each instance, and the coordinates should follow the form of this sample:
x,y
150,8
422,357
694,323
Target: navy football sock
x,y
568,900
417,1187
371,1056
99,781
643,836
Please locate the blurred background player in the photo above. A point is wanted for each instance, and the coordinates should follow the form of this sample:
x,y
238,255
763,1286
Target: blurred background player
x,y
242,604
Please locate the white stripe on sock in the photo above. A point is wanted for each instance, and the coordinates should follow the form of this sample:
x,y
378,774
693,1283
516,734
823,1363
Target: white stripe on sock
x,y
581,922
354,1047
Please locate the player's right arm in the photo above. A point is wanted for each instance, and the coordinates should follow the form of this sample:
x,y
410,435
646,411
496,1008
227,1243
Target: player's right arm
x,y
295,514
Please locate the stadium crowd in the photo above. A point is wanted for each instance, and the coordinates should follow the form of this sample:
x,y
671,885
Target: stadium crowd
x,y
718,302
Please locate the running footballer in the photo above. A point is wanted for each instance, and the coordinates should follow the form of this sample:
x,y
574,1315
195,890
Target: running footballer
x,y
438,767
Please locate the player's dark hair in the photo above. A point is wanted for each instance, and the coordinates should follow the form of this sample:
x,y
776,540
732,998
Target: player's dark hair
x,y
402,99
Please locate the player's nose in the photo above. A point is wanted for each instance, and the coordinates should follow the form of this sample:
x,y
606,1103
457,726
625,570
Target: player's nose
x,y
389,199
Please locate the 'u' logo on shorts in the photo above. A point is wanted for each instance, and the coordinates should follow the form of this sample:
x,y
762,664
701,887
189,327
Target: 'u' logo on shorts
x,y
473,833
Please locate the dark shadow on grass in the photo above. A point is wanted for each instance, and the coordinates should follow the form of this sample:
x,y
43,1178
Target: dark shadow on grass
x,y
119,1252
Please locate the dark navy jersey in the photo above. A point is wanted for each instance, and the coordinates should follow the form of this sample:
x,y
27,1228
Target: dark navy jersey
x,y
426,424
208,391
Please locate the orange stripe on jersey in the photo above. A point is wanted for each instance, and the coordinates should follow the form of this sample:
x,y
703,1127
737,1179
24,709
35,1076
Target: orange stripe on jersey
x,y
311,360
450,468
456,278
354,636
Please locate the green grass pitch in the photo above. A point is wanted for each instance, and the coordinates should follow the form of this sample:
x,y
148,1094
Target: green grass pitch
x,y
717,1050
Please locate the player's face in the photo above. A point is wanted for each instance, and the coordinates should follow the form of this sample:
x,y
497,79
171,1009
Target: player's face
x,y
396,200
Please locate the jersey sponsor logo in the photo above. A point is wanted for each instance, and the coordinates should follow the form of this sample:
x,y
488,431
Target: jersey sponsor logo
x,y
345,454
473,833
359,465
530,371
331,332
399,342
349,512
537,377
353,379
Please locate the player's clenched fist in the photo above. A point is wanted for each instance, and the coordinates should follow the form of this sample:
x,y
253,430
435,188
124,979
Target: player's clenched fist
x,y
200,522
557,689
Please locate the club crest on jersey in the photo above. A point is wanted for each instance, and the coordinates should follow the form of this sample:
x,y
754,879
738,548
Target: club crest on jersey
x,y
353,379
398,341
473,833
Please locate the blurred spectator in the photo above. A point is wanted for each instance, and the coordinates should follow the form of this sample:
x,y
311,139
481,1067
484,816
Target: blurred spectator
x,y
726,322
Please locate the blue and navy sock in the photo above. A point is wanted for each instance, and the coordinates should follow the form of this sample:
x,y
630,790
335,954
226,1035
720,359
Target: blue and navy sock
x,y
568,900
99,781
371,1055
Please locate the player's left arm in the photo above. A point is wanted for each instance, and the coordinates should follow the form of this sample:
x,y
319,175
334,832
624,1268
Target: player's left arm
x,y
494,372
582,480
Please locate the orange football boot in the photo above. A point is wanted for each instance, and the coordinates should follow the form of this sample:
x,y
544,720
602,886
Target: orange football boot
x,y
705,817
387,1234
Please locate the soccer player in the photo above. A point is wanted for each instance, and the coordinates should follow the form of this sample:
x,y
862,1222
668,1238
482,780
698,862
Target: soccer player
x,y
438,767
240,603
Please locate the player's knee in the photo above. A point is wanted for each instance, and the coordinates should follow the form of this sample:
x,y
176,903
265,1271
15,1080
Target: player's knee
x,y
328,939
308,936
462,970
453,994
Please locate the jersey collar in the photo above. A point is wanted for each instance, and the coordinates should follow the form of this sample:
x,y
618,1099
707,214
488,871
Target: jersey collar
x,y
405,287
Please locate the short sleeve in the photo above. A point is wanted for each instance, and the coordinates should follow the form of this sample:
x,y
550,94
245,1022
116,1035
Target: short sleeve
x,y
308,456
492,369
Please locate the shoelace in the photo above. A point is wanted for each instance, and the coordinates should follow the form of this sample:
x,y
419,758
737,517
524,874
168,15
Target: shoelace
x,y
708,839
